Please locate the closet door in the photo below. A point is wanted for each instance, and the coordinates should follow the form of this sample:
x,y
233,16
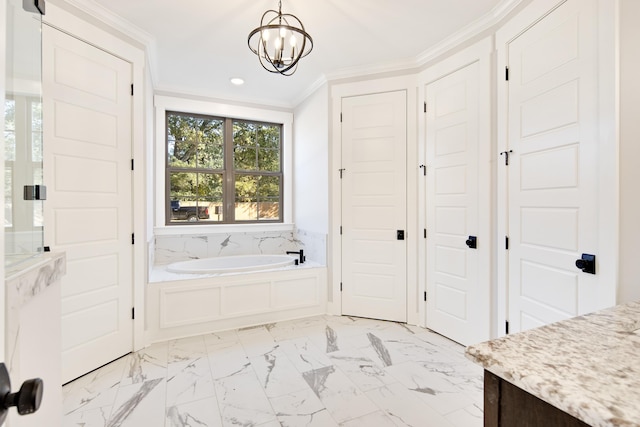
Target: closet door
x,y
552,167
88,214
458,304
374,206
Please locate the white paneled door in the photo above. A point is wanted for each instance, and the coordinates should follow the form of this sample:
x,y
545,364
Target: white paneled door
x,y
552,171
458,304
374,265
88,214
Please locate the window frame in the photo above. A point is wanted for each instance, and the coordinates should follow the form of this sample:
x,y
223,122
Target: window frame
x,y
165,104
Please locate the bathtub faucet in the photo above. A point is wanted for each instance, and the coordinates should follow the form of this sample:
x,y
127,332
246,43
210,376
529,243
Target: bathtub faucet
x,y
301,253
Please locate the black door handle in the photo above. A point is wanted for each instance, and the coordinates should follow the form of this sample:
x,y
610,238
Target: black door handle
x,y
587,263
27,400
472,242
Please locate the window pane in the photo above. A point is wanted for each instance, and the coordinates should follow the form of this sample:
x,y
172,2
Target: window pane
x,y
257,198
256,147
210,152
195,142
269,160
36,131
244,158
269,198
196,197
10,130
269,136
8,199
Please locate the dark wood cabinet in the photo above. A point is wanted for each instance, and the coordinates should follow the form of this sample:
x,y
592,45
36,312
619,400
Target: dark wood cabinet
x,y
506,405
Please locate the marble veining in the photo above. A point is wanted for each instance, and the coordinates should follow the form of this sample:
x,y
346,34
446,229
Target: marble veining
x,y
587,366
322,371
172,248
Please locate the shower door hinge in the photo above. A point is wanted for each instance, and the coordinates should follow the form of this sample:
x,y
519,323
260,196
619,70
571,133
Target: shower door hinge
x,y
133,313
131,89
425,296
506,242
506,327
133,239
35,6
506,73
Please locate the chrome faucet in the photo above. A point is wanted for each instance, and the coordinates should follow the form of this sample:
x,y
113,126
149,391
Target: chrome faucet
x,y
301,253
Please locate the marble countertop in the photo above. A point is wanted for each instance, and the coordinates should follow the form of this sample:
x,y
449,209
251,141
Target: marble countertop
x,y
587,366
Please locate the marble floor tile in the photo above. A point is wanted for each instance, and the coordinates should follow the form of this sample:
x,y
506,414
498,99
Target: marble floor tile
x,y
98,417
323,371
338,393
138,404
189,381
276,374
242,400
377,419
147,364
405,409
470,416
433,388
201,413
302,408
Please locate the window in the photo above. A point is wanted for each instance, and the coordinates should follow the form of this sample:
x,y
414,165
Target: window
x,y
222,170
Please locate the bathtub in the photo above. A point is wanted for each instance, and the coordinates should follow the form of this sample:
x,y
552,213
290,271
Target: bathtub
x,y
231,264
231,295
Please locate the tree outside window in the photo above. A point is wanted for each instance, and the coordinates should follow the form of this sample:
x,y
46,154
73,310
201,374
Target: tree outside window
x,y
221,170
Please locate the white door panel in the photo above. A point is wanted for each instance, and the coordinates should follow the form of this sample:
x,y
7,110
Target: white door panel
x,y
88,213
457,297
374,206
552,200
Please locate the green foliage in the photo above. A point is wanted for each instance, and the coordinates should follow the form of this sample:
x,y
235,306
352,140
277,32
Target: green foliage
x,y
195,148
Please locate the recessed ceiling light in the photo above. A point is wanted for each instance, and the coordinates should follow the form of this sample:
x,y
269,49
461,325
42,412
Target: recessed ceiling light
x,y
237,81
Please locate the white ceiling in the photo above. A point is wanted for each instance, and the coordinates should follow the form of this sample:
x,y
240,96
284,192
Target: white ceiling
x,y
196,46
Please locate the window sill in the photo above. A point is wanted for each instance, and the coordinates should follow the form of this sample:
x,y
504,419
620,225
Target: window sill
x,y
179,230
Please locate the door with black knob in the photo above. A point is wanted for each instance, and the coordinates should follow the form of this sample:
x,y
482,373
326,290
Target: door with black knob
x,y
552,188
457,279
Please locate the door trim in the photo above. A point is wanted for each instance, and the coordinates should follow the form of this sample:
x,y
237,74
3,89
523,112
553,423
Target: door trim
x,y
392,84
481,53
68,23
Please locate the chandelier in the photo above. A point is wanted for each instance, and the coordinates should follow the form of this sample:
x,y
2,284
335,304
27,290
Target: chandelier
x,y
280,41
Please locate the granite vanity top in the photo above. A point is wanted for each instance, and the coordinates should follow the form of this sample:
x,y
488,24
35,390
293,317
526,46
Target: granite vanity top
x,y
587,366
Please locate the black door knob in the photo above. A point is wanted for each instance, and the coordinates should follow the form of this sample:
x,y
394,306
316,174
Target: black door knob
x,y
472,242
27,400
587,263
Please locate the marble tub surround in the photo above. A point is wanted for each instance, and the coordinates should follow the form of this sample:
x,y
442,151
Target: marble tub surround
x,y
170,249
318,371
314,245
173,248
587,366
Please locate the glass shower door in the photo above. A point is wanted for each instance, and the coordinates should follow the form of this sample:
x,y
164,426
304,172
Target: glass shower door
x,y
23,133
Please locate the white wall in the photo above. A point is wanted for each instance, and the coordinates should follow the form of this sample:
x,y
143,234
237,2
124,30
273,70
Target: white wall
x,y
629,273
311,163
